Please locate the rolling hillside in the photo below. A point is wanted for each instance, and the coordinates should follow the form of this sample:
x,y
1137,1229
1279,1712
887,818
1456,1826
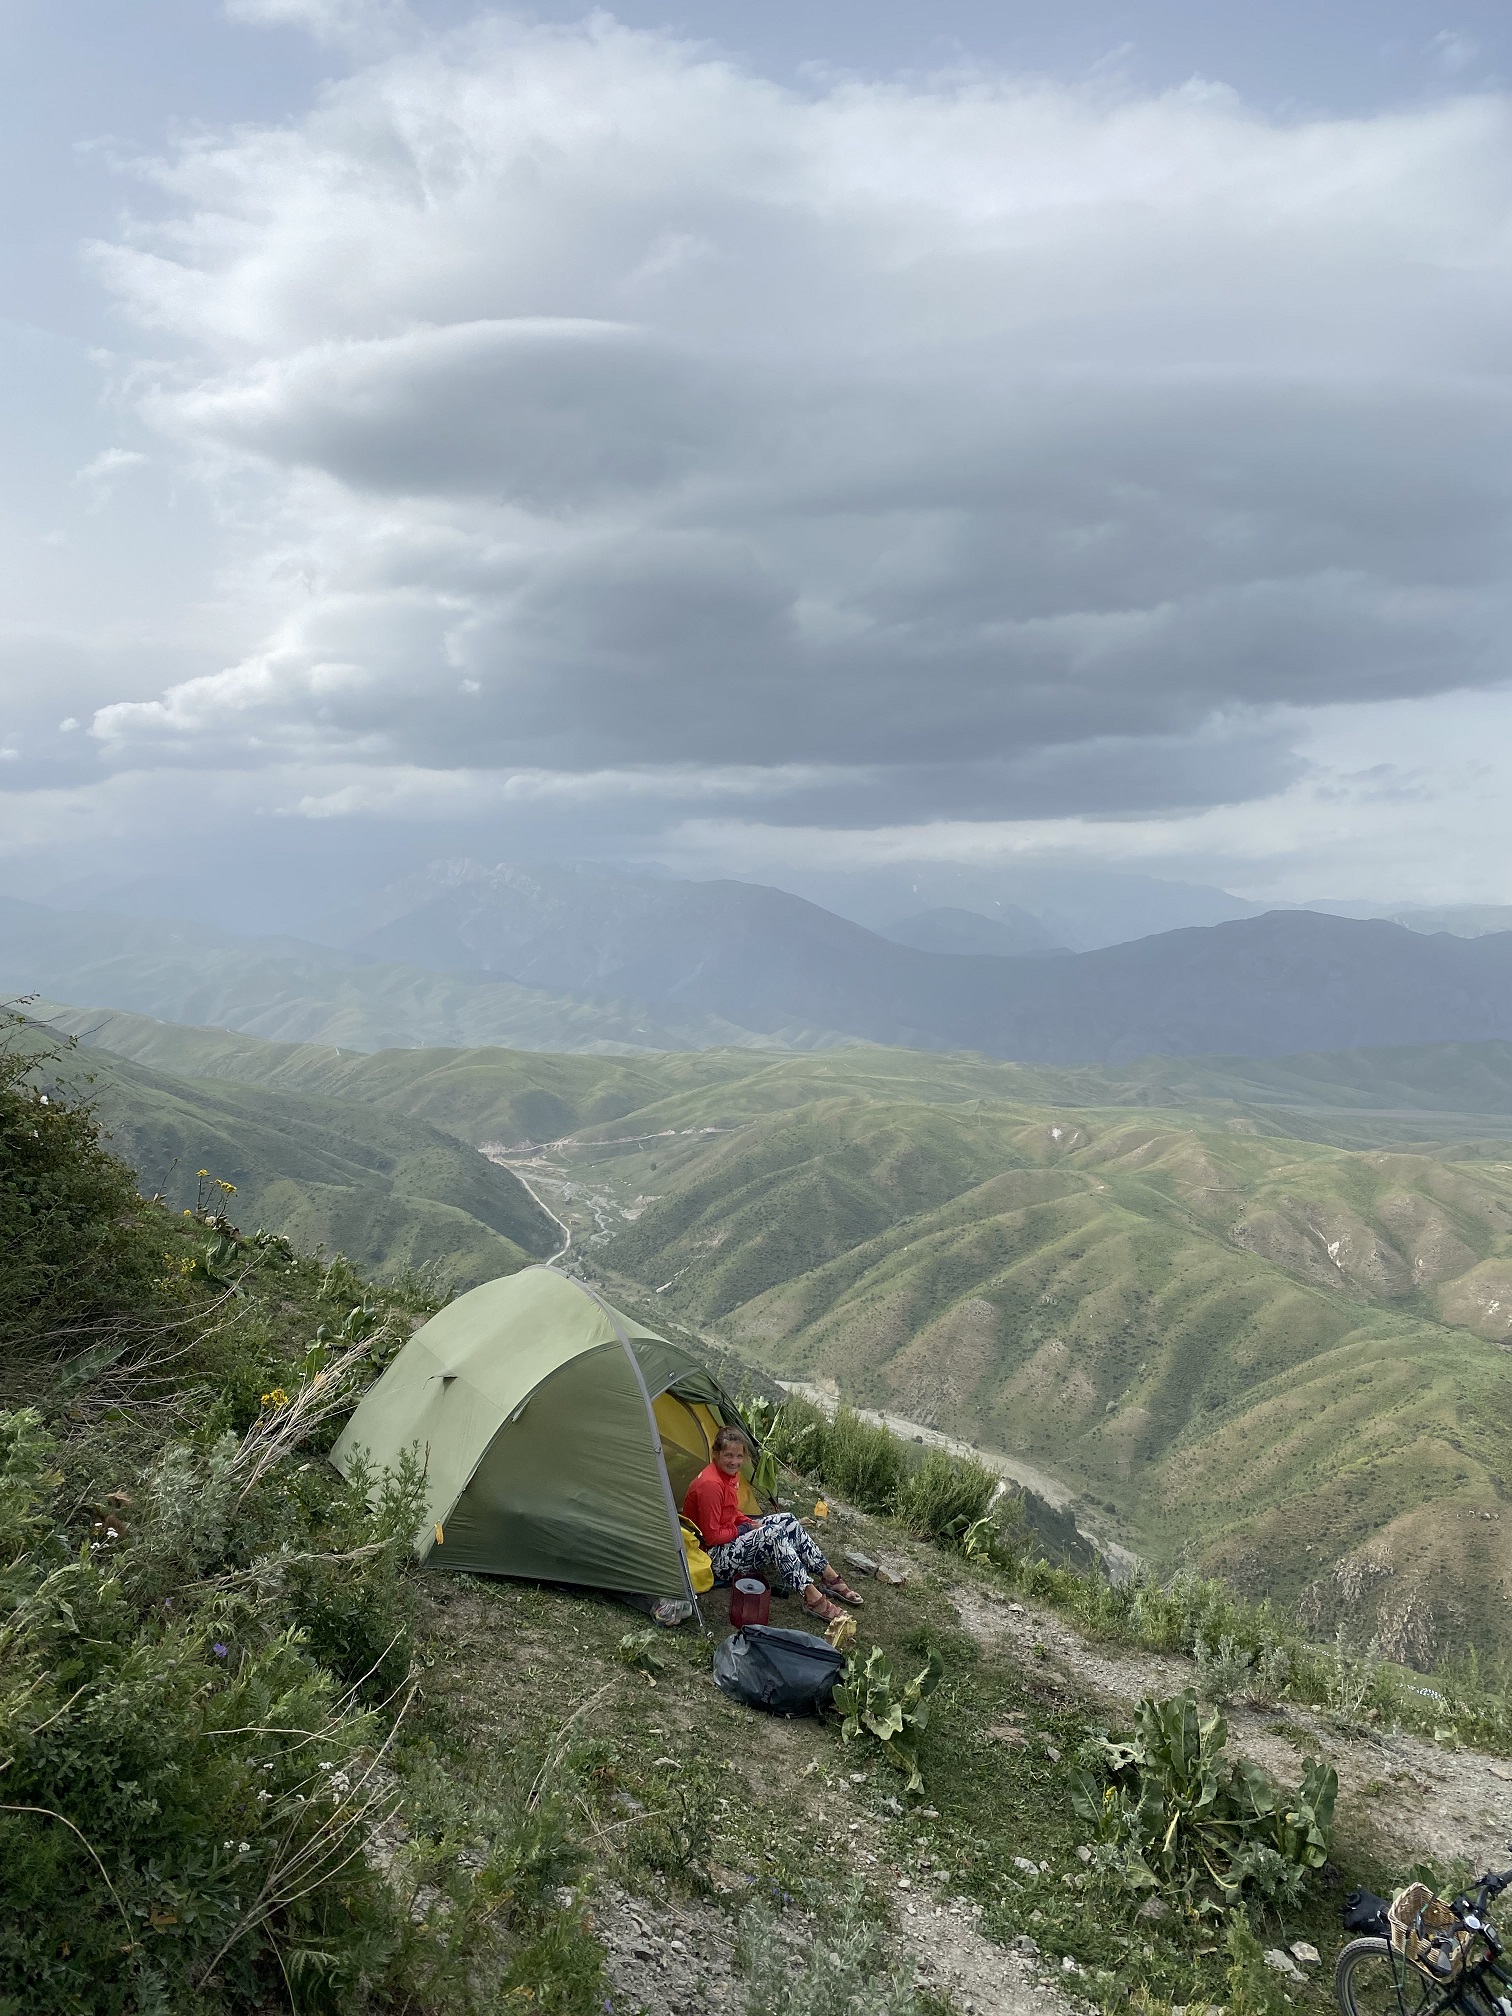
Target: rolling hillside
x,y
1446,1091
1287,1357
1281,1355
388,1191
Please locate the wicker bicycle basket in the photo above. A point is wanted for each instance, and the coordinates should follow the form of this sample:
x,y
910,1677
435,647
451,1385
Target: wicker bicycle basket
x,y
1426,1933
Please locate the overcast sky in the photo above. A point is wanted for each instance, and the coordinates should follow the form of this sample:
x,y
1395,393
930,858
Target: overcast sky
x,y
753,439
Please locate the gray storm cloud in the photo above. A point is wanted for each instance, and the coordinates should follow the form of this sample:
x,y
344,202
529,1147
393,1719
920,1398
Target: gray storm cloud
x,y
964,448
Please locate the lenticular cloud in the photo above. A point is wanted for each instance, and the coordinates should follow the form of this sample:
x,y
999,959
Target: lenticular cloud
x,y
610,409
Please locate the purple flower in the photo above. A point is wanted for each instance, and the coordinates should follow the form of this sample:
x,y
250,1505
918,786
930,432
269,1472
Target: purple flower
x,y
218,1649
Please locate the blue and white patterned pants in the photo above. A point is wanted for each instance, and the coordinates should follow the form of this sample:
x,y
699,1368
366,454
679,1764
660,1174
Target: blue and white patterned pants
x,y
777,1545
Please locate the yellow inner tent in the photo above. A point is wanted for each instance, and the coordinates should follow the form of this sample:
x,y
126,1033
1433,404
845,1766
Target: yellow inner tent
x,y
687,1429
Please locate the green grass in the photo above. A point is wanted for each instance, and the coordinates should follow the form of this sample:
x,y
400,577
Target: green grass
x,y
392,1193
944,1495
1273,1352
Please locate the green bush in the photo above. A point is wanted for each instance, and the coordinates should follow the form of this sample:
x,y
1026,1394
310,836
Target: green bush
x,y
798,1435
861,1463
181,1789
872,1704
81,1250
1174,1812
945,1496
351,1596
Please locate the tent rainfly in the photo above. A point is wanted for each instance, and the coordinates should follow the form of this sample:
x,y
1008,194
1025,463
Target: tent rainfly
x,y
558,1436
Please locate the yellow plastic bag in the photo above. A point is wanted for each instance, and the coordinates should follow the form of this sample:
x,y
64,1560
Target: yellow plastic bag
x,y
700,1567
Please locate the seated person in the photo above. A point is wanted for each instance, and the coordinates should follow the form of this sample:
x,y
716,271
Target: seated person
x,y
776,1544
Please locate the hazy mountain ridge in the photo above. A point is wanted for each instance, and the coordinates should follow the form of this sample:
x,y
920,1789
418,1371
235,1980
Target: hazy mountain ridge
x,y
290,990
739,965
1010,934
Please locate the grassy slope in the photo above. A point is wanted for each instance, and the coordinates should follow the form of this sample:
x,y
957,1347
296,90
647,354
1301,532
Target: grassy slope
x,y
1149,1312
1445,1084
389,1191
725,1803
1281,1352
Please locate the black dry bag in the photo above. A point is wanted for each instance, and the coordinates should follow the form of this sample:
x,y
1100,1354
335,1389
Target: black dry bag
x,y
788,1672
1365,1913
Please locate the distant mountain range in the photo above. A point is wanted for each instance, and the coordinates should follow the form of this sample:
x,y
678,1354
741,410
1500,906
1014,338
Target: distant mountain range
x,y
1011,934
578,958
770,962
289,990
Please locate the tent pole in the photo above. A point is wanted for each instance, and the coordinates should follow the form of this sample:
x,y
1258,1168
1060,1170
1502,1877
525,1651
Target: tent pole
x,y
661,1465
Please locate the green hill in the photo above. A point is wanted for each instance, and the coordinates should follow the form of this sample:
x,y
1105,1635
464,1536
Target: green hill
x,y
1282,1356
1444,1091
1286,1356
388,1191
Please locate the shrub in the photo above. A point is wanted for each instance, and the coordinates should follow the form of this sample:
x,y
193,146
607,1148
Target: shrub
x,y
1173,1812
81,1249
945,1497
798,1435
1224,1671
182,1789
872,1705
759,1416
351,1595
861,1463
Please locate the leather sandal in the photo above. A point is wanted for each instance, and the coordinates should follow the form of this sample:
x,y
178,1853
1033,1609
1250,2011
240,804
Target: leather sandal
x,y
821,1607
842,1592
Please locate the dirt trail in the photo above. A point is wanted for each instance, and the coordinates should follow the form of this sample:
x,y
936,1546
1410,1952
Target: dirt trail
x,y
1412,1798
676,1958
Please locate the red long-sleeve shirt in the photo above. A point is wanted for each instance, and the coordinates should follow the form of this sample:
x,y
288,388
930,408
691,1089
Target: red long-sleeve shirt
x,y
713,1504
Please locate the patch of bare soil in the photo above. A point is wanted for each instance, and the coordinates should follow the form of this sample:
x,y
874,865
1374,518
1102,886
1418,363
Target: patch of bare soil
x,y
977,1976
675,1957
1412,1799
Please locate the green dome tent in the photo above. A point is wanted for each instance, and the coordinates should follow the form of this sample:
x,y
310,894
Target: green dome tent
x,y
558,1436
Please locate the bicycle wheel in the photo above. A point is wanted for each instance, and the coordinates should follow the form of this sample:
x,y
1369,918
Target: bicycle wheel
x,y
1370,1980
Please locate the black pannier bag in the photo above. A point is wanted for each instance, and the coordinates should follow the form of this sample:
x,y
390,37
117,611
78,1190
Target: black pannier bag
x,y
787,1672
1365,1915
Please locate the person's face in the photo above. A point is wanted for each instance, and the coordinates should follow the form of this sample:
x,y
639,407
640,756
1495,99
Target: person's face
x,y
727,1458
